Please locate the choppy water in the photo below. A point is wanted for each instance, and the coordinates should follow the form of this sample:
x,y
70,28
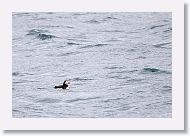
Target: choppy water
x,y
119,64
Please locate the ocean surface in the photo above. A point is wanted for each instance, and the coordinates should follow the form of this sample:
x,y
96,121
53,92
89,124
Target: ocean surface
x,y
119,64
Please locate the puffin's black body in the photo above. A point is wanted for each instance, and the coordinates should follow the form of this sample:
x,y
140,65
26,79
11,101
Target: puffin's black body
x,y
64,86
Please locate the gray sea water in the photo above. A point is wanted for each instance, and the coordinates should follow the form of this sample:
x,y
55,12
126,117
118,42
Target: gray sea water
x,y
119,64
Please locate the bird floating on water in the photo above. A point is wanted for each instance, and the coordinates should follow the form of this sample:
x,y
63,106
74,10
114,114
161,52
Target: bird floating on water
x,y
64,86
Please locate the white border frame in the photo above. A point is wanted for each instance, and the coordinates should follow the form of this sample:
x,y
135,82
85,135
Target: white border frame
x,y
174,123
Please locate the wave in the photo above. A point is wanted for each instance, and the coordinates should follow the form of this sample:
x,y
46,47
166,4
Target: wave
x,y
93,21
68,54
118,76
15,73
82,99
157,26
114,67
21,74
40,34
72,43
161,45
95,45
45,36
168,87
155,70
110,18
168,30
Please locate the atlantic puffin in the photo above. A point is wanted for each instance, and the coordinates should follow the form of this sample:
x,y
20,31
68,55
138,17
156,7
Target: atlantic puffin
x,y
64,86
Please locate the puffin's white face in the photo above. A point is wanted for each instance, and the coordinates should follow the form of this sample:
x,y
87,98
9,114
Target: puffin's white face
x,y
67,82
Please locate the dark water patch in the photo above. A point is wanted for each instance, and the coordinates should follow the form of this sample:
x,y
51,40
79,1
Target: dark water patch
x,y
82,99
154,70
18,82
21,13
95,45
140,57
114,67
132,71
168,30
167,103
157,26
140,91
167,87
132,50
15,73
166,90
45,36
100,45
154,33
110,18
21,74
18,111
161,45
67,54
133,32
41,88
40,34
118,76
151,70
125,108
93,21
49,100
28,56
72,43
50,13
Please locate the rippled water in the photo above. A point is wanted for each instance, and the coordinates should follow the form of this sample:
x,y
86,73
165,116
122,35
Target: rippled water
x,y
118,64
